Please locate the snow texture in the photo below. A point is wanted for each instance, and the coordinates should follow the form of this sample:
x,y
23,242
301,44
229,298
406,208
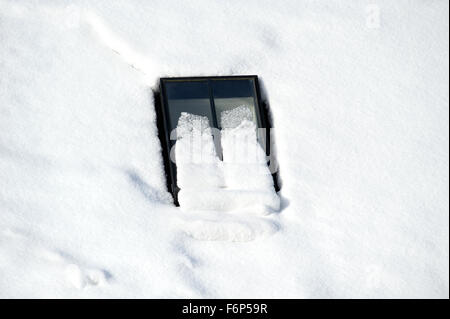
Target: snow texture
x,y
241,182
195,155
233,118
358,93
244,160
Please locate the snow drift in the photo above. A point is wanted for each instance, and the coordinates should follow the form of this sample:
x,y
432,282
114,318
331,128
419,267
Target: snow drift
x,y
241,181
359,95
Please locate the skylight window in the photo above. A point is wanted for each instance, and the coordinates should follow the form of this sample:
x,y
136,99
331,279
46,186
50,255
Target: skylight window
x,y
220,102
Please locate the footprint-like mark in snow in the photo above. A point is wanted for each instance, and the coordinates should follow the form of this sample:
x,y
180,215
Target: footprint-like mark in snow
x,y
186,266
76,273
80,277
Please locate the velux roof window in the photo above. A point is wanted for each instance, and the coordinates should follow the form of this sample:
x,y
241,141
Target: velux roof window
x,y
213,107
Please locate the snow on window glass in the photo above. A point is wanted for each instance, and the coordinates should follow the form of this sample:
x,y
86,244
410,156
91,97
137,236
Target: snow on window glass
x,y
242,180
244,159
233,117
195,154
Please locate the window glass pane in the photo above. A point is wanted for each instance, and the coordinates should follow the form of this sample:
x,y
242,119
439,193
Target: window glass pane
x,y
191,97
230,94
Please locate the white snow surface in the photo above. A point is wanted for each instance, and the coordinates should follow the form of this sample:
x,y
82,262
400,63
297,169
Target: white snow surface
x,y
198,166
241,182
359,97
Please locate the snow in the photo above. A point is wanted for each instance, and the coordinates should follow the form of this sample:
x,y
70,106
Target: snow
x,y
359,99
244,160
232,118
241,182
195,155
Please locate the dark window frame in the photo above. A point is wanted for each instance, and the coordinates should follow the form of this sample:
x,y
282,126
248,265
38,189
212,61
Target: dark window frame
x,y
163,121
